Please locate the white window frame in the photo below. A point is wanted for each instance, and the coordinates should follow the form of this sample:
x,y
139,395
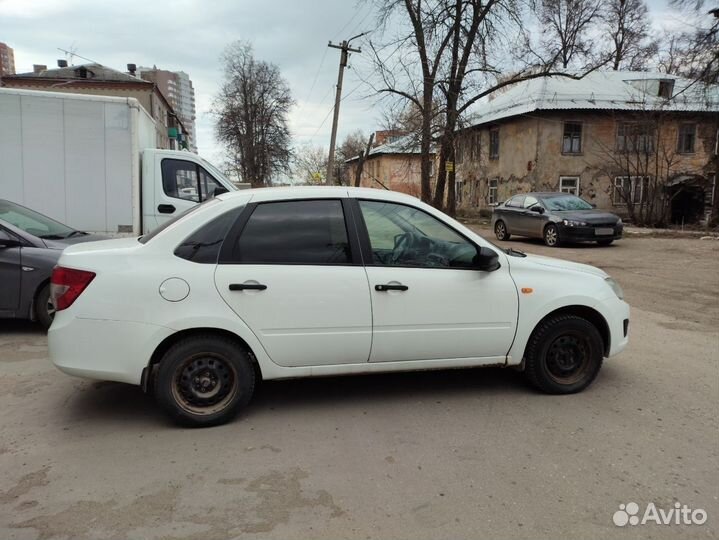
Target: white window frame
x,y
632,186
492,191
574,190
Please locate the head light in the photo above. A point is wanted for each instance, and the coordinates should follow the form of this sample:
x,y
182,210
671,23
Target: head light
x,y
574,223
615,287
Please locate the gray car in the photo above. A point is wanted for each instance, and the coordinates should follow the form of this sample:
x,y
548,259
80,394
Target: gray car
x,y
555,218
30,245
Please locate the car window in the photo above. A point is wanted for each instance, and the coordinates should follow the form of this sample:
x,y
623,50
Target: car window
x,y
208,185
401,235
515,202
294,232
203,245
179,179
562,203
33,222
530,201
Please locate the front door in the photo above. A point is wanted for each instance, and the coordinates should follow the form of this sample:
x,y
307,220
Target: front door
x,y
427,301
10,274
184,184
293,277
532,222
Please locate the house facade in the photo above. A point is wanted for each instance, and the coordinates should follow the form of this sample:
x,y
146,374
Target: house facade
x,y
96,79
394,165
641,145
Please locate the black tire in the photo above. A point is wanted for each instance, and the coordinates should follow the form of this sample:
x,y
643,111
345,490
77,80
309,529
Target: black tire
x,y
605,242
44,310
551,235
204,380
564,355
500,230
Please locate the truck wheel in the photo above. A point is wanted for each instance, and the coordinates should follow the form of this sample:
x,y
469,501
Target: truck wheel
x,y
563,355
500,231
44,310
204,380
551,235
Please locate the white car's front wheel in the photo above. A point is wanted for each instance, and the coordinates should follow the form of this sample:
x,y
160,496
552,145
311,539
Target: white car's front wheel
x,y
564,354
204,380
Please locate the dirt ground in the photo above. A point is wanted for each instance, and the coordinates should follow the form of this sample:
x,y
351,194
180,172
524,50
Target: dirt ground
x,y
456,454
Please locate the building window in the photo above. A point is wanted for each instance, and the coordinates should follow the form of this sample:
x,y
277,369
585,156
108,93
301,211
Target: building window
x,y
492,194
687,138
458,190
634,189
635,137
474,146
666,88
494,143
569,184
572,139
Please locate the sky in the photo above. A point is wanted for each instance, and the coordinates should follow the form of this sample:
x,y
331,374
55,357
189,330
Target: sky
x,y
190,35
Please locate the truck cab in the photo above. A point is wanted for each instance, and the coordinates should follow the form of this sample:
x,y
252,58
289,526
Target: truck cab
x,y
173,181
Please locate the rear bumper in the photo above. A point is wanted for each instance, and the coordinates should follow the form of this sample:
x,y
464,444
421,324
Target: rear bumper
x,y
103,349
587,234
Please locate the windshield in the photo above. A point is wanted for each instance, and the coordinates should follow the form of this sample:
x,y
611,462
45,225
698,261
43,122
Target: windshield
x,y
562,203
33,222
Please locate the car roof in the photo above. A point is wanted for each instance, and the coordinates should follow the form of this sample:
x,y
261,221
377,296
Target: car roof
x,y
319,192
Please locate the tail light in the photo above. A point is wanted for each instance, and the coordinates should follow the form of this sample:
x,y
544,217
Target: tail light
x,y
66,284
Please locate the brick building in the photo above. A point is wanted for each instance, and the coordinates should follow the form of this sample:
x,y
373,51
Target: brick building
x,y
624,141
7,60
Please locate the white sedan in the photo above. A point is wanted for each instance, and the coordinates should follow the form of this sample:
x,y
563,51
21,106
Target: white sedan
x,y
306,282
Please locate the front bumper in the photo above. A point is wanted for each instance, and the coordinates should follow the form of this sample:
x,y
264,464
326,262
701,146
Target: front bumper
x,y
616,313
588,234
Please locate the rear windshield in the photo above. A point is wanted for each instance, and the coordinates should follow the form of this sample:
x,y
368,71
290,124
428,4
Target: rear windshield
x,y
179,217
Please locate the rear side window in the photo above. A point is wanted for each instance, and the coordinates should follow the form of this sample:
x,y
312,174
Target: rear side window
x,y
294,232
203,245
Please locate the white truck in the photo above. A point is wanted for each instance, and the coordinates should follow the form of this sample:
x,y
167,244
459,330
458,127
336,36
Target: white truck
x,y
91,162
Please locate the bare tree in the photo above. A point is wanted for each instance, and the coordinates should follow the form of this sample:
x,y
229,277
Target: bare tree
x,y
309,164
352,146
251,110
629,27
566,25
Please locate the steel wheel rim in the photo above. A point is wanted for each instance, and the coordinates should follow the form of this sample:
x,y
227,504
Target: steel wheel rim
x,y
550,236
568,358
499,230
205,383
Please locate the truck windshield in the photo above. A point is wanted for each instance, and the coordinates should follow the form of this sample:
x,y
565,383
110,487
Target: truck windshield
x,y
169,223
33,222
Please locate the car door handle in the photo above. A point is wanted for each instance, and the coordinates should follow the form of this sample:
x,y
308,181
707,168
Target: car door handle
x,y
388,287
247,286
166,209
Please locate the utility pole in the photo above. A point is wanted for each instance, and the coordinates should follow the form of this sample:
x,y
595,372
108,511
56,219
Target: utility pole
x,y
345,48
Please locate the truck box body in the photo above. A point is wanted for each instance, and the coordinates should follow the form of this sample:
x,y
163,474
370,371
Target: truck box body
x,y
79,159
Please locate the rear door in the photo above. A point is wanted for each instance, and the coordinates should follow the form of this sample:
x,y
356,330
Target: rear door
x,y
292,272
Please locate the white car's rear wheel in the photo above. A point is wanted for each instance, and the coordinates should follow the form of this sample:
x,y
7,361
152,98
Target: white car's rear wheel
x,y
204,380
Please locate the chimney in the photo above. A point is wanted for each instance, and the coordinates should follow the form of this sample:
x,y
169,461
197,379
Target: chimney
x,y
37,68
62,63
131,69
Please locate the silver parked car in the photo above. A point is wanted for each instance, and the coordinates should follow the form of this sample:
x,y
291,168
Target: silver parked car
x,y
30,245
555,218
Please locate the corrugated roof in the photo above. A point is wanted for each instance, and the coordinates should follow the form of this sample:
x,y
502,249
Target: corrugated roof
x,y
95,72
406,144
601,90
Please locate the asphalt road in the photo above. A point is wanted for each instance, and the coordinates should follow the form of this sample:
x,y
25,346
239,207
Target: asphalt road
x,y
457,454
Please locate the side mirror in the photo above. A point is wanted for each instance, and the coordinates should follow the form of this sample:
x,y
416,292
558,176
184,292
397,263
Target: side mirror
x,y
538,209
219,190
7,241
486,260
